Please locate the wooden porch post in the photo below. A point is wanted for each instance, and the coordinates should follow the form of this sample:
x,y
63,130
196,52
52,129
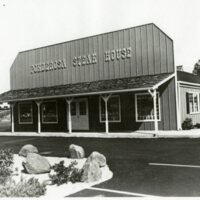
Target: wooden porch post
x,y
38,102
106,98
155,110
154,95
12,104
69,117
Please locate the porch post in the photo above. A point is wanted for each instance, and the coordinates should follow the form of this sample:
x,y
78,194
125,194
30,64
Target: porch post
x,y
154,96
12,117
69,118
39,120
106,98
155,110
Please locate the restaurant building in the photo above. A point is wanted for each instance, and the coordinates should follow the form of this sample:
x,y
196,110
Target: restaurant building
x,y
120,81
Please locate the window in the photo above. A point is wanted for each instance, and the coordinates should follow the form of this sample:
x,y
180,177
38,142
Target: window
x,y
193,102
114,110
82,108
49,112
25,113
73,108
144,107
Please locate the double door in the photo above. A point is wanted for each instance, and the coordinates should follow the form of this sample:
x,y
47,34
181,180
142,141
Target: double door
x,y
79,114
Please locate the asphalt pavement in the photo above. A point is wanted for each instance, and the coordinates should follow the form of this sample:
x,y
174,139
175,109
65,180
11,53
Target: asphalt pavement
x,y
141,167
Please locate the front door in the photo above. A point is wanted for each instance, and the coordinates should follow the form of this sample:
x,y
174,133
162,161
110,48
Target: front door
x,y
79,114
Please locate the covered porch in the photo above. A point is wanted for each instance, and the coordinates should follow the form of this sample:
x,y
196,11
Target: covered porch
x,y
82,97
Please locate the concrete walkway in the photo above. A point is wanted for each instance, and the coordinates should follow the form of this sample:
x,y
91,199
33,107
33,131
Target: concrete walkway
x,y
194,133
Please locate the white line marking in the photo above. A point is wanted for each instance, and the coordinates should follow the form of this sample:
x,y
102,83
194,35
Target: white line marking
x,y
120,192
174,165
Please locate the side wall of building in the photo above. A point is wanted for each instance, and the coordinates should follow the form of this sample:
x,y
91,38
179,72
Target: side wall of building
x,y
61,126
128,116
128,123
184,89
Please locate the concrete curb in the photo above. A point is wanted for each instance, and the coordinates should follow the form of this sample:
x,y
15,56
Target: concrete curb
x,y
194,133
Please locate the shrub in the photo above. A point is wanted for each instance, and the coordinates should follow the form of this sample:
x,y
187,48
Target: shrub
x,y
25,188
76,175
197,125
65,174
4,114
187,124
6,161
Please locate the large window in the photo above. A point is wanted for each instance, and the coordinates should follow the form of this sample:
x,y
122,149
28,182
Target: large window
x,y
49,112
25,113
114,110
193,102
144,107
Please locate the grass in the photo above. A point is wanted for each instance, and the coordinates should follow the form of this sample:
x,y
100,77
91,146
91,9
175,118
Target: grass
x,y
5,122
25,188
5,126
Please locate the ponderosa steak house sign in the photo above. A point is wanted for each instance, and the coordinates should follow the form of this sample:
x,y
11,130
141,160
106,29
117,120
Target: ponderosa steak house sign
x,y
109,56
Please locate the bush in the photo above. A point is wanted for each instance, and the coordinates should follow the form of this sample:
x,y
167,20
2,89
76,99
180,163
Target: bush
x,y
6,161
187,124
197,125
4,114
65,174
25,188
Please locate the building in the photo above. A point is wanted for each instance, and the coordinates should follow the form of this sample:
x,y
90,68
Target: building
x,y
118,81
188,88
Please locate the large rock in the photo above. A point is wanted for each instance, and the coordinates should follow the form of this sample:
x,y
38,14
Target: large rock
x,y
76,151
98,157
29,148
91,172
36,164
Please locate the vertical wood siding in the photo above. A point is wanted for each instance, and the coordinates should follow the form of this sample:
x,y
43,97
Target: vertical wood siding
x,y
151,53
128,121
183,104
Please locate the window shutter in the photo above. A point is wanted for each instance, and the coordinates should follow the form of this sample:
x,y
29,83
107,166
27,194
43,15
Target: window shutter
x,y
187,103
199,103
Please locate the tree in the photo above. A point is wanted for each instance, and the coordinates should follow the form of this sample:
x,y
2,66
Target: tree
x,y
196,69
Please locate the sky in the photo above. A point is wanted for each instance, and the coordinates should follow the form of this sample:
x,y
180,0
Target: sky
x,y
27,24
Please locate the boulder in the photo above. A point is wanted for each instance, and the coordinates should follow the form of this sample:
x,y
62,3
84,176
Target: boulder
x,y
36,164
29,148
76,151
98,157
91,172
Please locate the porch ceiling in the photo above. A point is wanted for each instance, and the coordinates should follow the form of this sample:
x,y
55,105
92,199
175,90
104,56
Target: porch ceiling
x,y
86,88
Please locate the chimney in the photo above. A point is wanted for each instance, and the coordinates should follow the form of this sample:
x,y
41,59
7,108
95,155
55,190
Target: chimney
x,y
179,68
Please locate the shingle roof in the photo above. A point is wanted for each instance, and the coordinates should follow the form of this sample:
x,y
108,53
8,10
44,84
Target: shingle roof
x,y
101,86
188,77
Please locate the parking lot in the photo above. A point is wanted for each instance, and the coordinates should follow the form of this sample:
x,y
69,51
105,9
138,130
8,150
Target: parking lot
x,y
141,167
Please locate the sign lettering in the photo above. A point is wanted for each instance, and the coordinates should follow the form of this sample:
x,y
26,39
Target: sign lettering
x,y
82,60
114,54
48,66
85,60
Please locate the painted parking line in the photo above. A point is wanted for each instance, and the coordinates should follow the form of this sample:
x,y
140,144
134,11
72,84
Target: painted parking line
x,y
121,192
175,165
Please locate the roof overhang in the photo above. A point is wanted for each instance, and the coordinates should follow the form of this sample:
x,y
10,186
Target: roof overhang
x,y
188,83
133,84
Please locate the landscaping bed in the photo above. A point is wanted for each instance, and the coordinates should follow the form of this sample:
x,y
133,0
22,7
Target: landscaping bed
x,y
25,183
